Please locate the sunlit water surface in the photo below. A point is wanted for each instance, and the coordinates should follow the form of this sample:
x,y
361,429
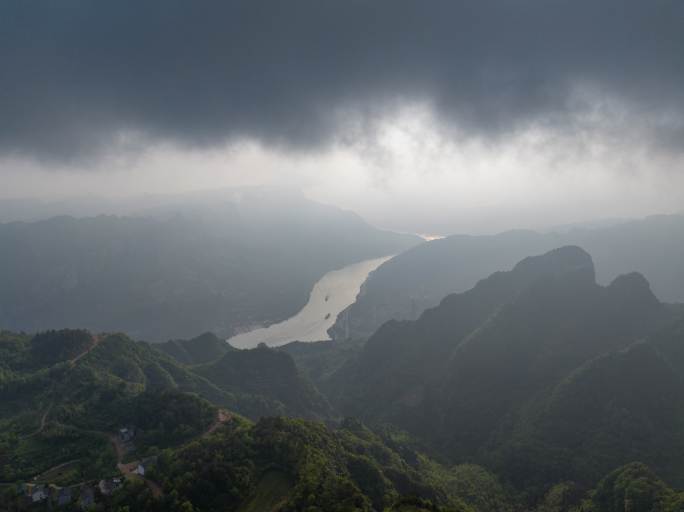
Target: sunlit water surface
x,y
330,295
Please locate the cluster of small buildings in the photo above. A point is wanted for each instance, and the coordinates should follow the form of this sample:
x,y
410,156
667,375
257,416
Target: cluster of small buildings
x,y
81,495
86,495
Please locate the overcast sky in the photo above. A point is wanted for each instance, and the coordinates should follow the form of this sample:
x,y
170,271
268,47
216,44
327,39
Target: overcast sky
x,y
428,116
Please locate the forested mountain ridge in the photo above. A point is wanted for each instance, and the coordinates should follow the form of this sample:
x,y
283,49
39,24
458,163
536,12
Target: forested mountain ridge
x,y
468,376
623,405
221,263
281,464
62,391
419,278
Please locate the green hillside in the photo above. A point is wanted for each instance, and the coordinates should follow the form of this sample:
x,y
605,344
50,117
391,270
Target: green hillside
x,y
286,465
55,408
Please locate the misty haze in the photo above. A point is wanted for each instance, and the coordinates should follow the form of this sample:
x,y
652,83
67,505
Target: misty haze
x,y
345,256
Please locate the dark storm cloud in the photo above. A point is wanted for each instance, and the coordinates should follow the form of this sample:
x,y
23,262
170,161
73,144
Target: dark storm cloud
x,y
76,74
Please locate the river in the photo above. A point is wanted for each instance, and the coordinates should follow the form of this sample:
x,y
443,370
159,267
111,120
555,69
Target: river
x,y
330,295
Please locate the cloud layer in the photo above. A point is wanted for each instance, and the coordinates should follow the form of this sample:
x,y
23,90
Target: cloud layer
x,y
81,77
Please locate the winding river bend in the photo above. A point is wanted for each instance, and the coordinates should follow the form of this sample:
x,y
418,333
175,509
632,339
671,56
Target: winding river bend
x,y
329,296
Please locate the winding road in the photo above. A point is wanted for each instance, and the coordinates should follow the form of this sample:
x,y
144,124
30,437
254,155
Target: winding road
x,y
96,339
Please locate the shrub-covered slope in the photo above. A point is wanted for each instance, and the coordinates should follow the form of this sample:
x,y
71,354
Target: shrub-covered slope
x,y
288,465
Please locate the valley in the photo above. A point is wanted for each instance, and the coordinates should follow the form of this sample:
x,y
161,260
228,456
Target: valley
x,y
476,402
342,256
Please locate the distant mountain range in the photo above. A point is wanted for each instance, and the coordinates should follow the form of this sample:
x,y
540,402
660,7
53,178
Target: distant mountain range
x,y
221,262
419,278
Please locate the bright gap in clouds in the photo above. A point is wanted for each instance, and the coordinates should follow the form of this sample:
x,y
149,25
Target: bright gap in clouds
x,y
413,176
